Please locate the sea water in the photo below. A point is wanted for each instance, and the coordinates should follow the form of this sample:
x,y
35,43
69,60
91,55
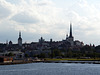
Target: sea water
x,y
50,69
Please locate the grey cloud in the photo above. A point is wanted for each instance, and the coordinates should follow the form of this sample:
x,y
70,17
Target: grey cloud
x,y
24,18
4,12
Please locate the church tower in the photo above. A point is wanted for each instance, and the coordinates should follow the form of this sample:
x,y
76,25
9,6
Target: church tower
x,y
70,31
20,39
71,38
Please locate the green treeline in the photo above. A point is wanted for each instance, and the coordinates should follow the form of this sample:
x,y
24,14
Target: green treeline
x,y
83,52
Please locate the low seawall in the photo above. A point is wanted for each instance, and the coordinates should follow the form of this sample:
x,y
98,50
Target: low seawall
x,y
83,62
44,61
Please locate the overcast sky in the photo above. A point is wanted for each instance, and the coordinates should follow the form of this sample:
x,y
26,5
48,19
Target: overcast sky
x,y
50,19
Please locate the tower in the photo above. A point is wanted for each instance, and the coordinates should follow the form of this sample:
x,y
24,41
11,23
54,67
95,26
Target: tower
x,y
70,31
71,38
66,37
41,40
20,39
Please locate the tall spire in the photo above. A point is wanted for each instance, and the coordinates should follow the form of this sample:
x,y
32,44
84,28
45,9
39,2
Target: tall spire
x,y
70,30
20,34
20,39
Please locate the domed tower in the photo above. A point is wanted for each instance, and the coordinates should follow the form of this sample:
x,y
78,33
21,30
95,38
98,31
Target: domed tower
x,y
20,39
10,43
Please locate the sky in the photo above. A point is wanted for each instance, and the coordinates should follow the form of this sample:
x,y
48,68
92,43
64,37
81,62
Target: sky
x,y
50,19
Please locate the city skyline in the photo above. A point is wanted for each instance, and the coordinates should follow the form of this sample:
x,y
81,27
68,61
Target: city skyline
x,y
20,39
49,19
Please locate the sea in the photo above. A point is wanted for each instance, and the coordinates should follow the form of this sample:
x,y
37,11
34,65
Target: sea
x,y
50,69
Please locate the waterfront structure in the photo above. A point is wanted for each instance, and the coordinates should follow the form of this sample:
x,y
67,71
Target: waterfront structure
x,y
14,54
4,59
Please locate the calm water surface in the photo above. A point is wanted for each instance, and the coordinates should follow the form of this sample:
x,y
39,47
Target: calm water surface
x,y
50,69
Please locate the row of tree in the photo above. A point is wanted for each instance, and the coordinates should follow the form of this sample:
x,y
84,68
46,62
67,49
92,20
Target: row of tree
x,y
83,52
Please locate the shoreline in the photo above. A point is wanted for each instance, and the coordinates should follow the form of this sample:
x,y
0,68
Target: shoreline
x,y
81,62
46,61
25,62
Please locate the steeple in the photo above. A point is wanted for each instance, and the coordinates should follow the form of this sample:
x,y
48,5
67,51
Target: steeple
x,y
19,34
20,39
70,31
66,36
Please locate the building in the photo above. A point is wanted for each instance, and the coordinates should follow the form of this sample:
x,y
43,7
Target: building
x,y
20,40
69,41
71,38
4,59
41,46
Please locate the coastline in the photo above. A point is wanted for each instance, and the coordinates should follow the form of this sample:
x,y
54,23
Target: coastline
x,y
81,62
24,62
50,61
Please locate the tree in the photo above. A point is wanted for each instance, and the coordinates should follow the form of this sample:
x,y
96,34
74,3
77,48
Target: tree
x,y
42,55
26,55
69,53
10,54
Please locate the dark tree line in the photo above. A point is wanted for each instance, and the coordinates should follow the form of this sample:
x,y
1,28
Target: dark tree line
x,y
86,51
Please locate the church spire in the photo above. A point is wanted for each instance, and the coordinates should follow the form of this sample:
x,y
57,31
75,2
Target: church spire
x,y
19,34
70,30
20,39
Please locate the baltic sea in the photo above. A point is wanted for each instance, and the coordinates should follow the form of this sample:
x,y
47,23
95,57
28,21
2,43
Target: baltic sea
x,y
50,69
